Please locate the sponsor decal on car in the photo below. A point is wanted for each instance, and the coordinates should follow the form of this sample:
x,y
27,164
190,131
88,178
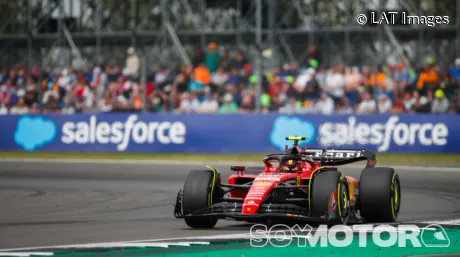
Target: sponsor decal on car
x,y
262,183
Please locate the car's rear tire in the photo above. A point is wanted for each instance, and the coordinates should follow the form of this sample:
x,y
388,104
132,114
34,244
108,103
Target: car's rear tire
x,y
380,194
323,184
197,194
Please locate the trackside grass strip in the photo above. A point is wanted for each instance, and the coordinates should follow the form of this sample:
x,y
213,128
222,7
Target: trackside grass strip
x,y
451,160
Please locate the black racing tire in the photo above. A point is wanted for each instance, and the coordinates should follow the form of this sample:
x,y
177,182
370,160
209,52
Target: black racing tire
x,y
197,194
380,194
323,184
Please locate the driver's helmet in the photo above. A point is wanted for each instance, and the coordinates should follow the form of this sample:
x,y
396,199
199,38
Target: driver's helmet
x,y
290,166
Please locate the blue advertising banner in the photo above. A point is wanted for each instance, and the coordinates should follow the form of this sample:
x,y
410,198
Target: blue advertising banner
x,y
238,133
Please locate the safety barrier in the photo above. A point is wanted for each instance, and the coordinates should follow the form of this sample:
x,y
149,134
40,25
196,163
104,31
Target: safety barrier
x,y
236,133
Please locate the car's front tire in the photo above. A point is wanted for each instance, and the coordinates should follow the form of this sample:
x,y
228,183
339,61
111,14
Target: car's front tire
x,y
197,194
325,183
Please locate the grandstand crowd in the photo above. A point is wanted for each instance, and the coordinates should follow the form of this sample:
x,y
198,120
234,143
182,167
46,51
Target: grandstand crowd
x,y
223,82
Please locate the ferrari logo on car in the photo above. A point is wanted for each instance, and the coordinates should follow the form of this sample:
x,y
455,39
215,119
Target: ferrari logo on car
x,y
290,162
248,209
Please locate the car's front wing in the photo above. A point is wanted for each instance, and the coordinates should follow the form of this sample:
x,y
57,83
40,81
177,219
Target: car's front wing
x,y
266,211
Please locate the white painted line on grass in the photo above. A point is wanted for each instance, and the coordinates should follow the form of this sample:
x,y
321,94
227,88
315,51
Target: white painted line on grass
x,y
163,243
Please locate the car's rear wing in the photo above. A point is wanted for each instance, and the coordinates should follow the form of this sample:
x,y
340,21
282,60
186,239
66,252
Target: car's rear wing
x,y
341,157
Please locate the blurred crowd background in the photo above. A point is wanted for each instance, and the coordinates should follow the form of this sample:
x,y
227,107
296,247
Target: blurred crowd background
x,y
226,56
221,81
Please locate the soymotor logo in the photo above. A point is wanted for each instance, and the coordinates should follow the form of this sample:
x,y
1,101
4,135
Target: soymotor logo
x,y
383,134
34,132
343,236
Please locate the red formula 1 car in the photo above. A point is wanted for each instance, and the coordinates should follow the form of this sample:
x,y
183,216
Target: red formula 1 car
x,y
299,184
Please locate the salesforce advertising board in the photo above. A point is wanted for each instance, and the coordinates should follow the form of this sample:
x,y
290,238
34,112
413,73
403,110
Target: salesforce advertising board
x,y
228,133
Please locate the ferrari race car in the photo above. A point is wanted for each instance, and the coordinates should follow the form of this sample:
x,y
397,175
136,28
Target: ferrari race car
x,y
298,184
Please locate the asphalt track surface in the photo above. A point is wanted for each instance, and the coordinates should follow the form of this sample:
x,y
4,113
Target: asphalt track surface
x,y
43,204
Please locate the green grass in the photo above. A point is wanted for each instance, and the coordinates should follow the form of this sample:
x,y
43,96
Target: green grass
x,y
401,159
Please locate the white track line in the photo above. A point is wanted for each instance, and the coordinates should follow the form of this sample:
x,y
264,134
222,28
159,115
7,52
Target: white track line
x,y
26,254
442,222
186,163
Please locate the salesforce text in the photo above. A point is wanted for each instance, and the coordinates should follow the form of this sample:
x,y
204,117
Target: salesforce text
x,y
120,133
383,134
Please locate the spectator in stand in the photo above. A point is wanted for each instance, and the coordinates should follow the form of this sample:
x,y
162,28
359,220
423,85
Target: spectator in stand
x,y
31,96
219,78
212,57
3,76
162,77
335,83
398,104
313,54
265,102
301,83
113,74
133,64
320,75
344,106
209,105
454,72
189,103
440,103
247,101
51,93
276,103
325,105
20,107
291,107
408,101
277,87
97,84
228,105
384,104
401,77
3,109
68,108
428,77
181,82
312,91
201,77
423,103
352,83
365,78
239,61
136,98
377,80
367,105
5,96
